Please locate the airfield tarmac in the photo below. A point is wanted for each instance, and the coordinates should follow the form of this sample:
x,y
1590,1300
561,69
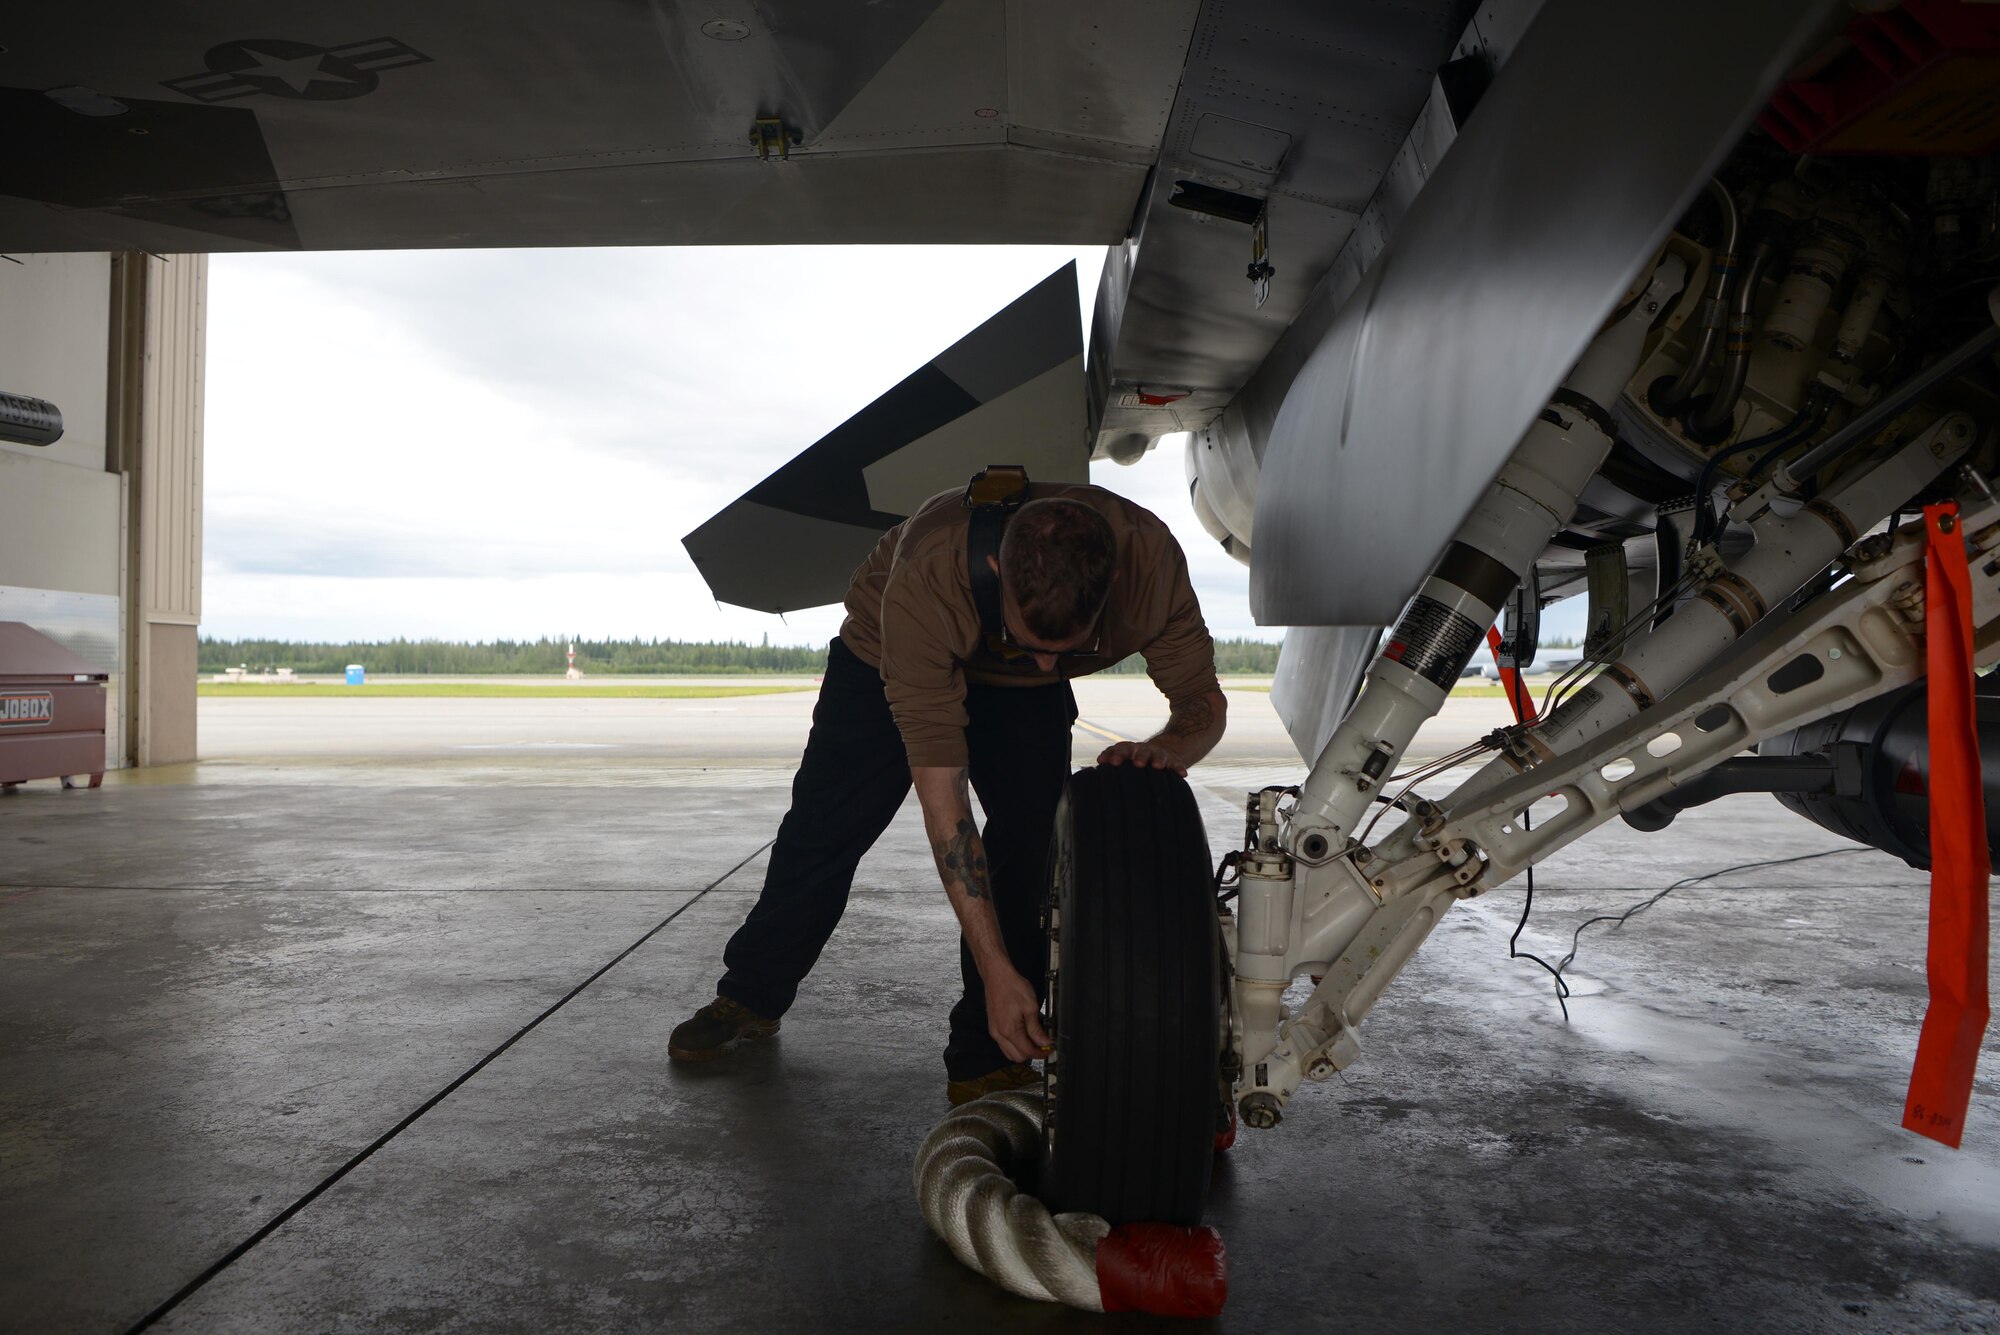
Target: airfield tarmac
x,y
359,1024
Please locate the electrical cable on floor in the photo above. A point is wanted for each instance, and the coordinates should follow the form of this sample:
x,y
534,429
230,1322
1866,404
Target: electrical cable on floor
x,y
1515,953
1524,721
1620,919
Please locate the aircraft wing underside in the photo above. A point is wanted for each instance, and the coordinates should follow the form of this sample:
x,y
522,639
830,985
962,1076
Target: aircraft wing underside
x,y
1289,118
1011,392
1148,125
173,127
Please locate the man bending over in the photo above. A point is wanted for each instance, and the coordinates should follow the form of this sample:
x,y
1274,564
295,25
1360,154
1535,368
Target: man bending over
x,y
920,688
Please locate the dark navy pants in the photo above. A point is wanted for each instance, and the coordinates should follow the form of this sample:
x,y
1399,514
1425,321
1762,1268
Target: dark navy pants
x,y
850,784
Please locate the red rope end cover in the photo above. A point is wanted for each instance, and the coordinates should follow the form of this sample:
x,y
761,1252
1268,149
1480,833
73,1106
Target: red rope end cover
x,y
1163,1270
1948,1047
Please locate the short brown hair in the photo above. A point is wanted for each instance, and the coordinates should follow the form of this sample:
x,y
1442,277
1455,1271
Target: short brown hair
x,y
1056,558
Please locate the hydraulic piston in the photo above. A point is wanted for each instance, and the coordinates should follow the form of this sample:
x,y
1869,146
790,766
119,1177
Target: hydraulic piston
x,y
1447,620
1313,907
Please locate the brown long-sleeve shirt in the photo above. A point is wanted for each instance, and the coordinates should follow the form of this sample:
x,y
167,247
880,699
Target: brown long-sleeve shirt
x,y
910,613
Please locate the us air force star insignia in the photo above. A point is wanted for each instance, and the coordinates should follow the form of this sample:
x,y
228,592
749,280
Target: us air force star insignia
x,y
294,69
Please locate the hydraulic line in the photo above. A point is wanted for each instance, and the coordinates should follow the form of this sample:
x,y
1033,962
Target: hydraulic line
x,y
1671,397
1805,423
1720,410
1705,482
1790,441
1863,428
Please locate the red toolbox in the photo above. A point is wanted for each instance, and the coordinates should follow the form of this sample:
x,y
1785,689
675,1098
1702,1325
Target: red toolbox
x,y
51,710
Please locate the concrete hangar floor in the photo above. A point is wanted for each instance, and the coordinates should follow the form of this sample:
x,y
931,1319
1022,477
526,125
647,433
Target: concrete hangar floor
x,y
438,944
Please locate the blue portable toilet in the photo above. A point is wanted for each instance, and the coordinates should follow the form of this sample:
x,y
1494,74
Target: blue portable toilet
x,y
357,675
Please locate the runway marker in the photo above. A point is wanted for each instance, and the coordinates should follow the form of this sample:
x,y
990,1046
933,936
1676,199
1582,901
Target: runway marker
x,y
1105,733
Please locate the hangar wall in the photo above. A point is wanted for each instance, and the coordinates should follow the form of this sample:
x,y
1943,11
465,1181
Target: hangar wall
x,y
162,457
100,533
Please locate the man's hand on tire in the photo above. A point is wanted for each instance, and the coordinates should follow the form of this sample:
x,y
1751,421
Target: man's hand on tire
x,y
1013,1016
1143,755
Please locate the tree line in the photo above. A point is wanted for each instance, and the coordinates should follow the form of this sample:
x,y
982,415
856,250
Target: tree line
x,y
546,656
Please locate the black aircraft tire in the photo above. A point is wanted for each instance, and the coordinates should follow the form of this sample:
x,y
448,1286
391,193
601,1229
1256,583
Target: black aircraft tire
x,y
1135,1003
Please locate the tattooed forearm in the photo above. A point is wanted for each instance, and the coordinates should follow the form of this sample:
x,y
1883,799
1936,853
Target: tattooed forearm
x,y
960,854
961,864
1191,719
961,858
1194,727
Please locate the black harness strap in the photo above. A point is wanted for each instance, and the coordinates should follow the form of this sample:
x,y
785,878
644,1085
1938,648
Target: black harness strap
x,y
993,495
982,539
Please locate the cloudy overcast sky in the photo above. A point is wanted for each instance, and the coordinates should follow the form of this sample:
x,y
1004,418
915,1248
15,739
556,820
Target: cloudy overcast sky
x,y
506,444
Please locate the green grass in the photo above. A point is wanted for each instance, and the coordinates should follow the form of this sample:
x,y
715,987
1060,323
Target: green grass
x,y
474,690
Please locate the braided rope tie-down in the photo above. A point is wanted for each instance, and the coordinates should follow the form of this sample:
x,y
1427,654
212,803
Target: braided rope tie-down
x,y
969,1200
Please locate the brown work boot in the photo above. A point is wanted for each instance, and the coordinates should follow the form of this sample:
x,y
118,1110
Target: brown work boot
x,y
1018,1076
719,1027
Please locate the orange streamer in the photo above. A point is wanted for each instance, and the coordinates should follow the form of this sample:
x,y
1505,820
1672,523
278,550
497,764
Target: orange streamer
x,y
1948,1047
1517,694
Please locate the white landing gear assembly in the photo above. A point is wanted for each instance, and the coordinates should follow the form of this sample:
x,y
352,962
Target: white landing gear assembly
x,y
1806,598
1811,619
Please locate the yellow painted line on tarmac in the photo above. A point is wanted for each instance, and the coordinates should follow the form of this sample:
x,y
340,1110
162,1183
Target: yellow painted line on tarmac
x,y
1105,733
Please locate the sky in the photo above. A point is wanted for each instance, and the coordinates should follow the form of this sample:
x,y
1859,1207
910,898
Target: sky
x,y
506,444
495,444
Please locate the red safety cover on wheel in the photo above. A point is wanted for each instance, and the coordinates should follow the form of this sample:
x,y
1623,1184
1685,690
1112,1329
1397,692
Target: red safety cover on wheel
x,y
1163,1269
